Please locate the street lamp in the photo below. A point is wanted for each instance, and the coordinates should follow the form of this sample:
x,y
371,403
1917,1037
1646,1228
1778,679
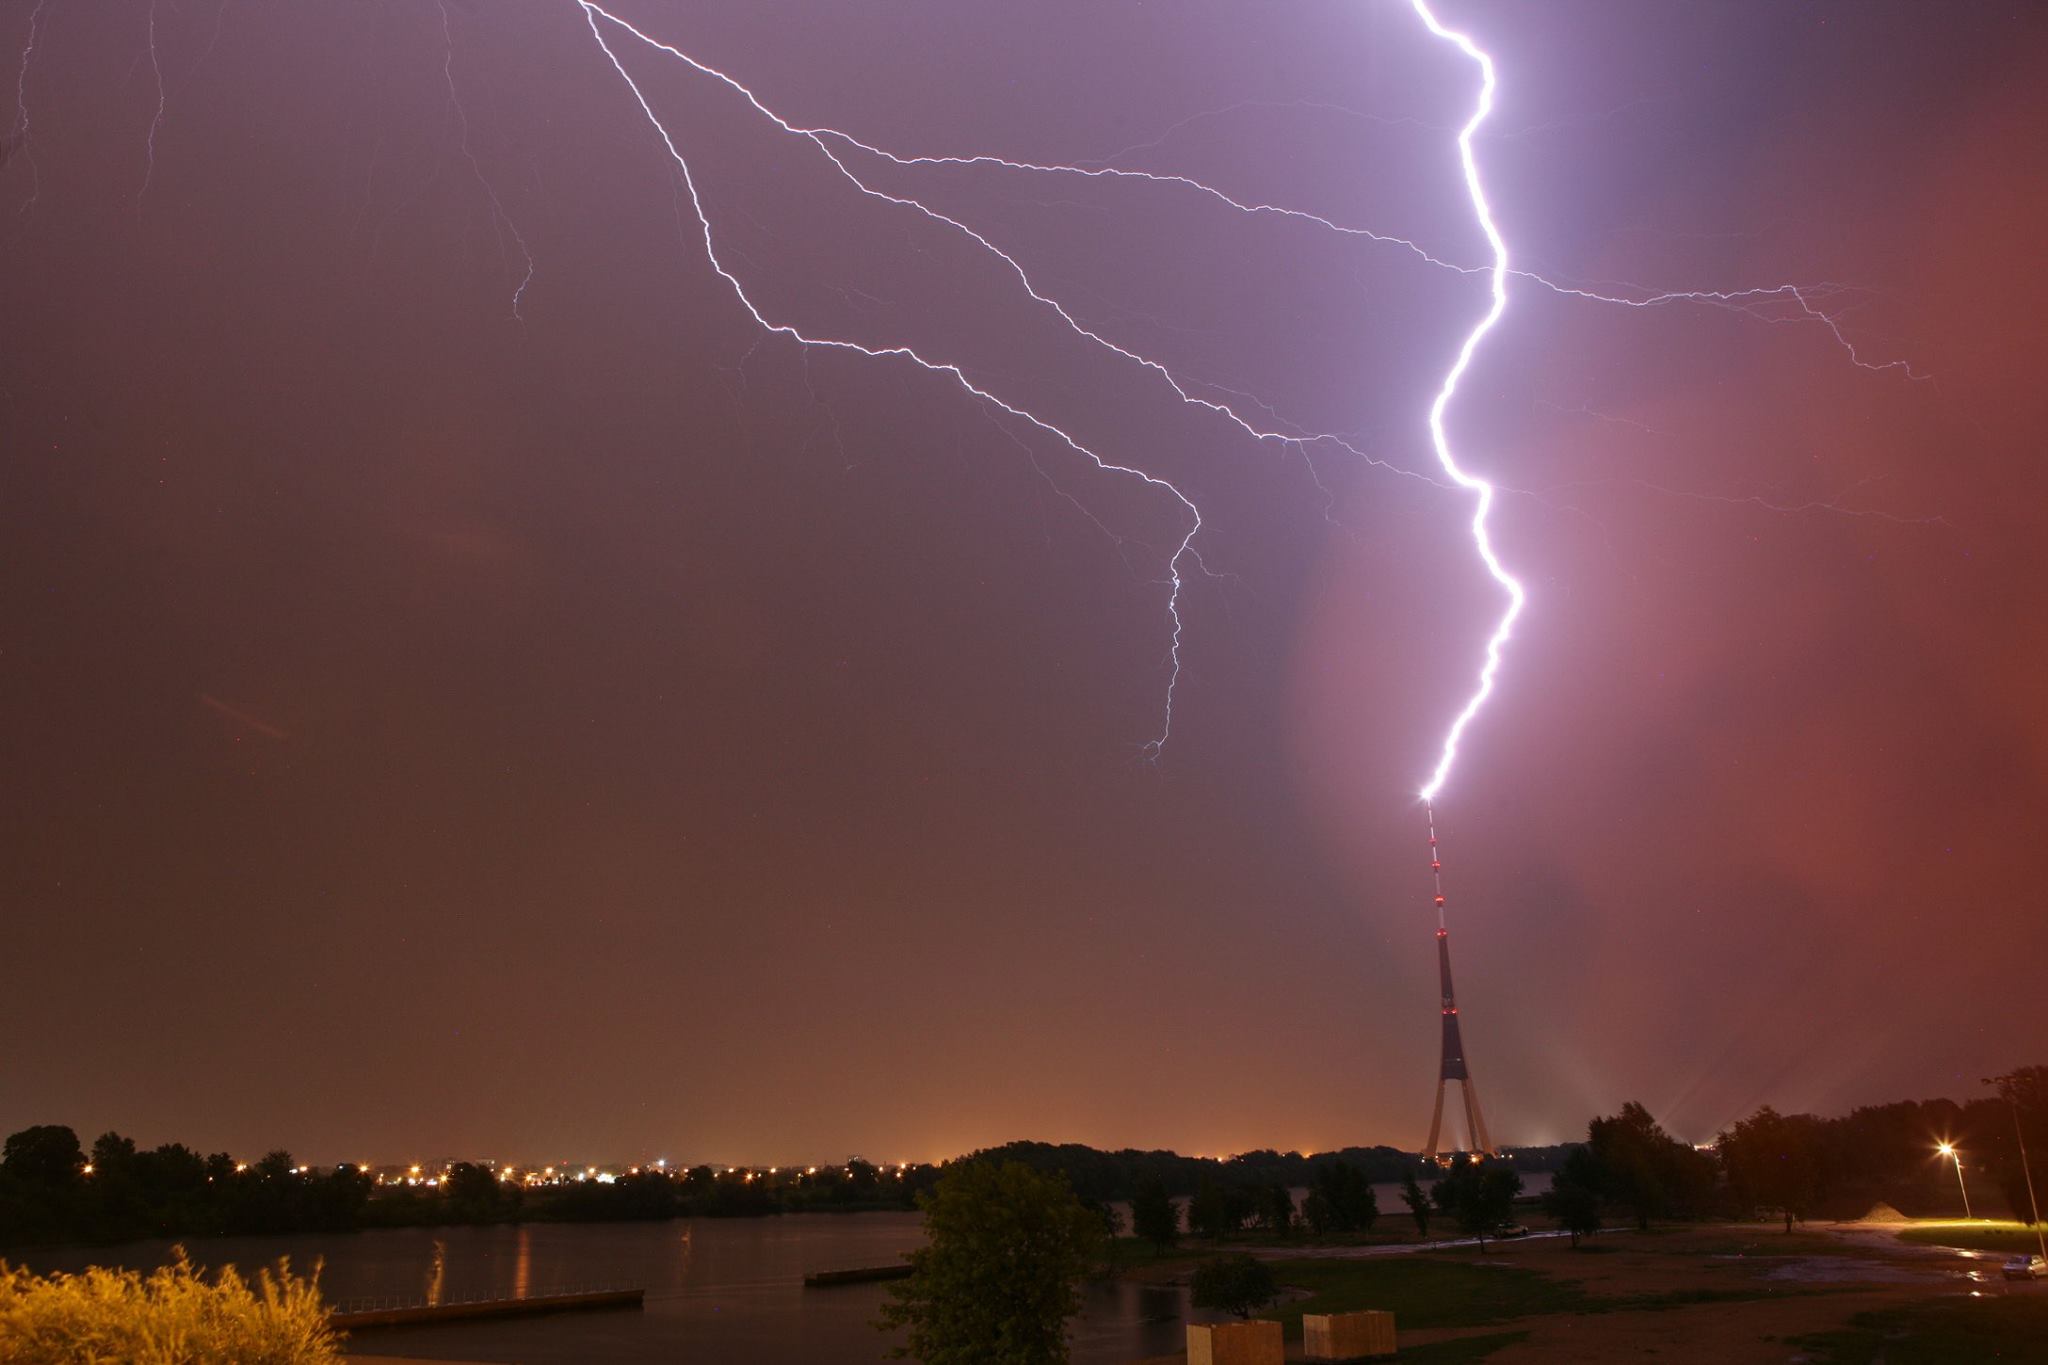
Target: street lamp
x,y
1948,1150
2006,1086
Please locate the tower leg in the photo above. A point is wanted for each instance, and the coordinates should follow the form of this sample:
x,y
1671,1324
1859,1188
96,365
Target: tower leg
x,y
1436,1121
1475,1123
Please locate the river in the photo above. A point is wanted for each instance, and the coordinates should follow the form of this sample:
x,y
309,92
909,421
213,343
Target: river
x,y
718,1290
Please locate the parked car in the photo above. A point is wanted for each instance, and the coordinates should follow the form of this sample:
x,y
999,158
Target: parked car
x,y
2024,1268
1511,1230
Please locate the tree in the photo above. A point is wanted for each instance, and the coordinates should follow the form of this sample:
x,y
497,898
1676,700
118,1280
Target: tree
x,y
999,1275
1774,1159
1417,1202
2021,1117
1344,1195
46,1155
116,1203
41,1169
1479,1195
112,1153
1217,1210
1111,1220
1276,1210
338,1200
1573,1198
1154,1216
474,1193
1239,1284
1319,1213
1645,1169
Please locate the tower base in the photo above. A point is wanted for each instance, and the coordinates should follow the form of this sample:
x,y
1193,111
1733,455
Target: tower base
x,y
1475,1122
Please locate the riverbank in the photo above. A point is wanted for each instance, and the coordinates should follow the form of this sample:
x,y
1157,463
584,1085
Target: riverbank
x,y
1721,1294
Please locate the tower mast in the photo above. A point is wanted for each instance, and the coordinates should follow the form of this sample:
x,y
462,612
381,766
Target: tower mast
x,y
1454,1066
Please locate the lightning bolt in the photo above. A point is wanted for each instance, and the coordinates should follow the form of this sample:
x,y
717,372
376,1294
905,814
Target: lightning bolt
x,y
1794,302
1778,303
1183,551
1480,488
17,137
499,218
157,119
823,139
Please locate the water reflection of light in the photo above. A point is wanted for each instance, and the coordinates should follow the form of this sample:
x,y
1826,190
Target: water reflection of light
x,y
522,1263
437,1274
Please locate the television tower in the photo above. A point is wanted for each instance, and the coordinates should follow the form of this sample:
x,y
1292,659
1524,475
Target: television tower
x,y
1454,1067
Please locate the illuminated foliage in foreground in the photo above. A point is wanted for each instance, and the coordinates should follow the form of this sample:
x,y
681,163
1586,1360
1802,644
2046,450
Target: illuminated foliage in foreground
x,y
171,1317
1000,1273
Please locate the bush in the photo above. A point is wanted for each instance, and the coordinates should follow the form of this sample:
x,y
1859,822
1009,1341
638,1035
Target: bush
x,y
172,1317
1234,1284
1000,1272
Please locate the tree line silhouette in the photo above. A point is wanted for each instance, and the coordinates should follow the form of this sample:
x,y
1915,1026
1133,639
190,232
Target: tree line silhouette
x,y
1795,1166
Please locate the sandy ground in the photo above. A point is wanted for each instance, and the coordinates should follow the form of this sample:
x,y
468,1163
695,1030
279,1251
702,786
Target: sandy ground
x,y
1814,1282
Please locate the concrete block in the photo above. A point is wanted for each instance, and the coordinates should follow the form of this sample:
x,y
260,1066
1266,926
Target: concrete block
x,y
1236,1343
1348,1336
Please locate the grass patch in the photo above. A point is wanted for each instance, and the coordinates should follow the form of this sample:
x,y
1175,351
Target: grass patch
x,y
1687,1298
2009,1329
1707,1244
1424,1292
2011,1238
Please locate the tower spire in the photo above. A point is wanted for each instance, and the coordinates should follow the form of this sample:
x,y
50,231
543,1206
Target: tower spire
x,y
1453,1067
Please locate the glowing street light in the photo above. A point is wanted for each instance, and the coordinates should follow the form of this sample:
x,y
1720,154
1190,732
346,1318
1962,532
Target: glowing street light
x,y
1948,1150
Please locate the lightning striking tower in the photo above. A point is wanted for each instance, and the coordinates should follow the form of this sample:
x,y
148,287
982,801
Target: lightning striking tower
x,y
1453,1067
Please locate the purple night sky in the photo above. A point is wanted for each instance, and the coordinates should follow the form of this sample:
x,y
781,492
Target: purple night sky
x,y
617,730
